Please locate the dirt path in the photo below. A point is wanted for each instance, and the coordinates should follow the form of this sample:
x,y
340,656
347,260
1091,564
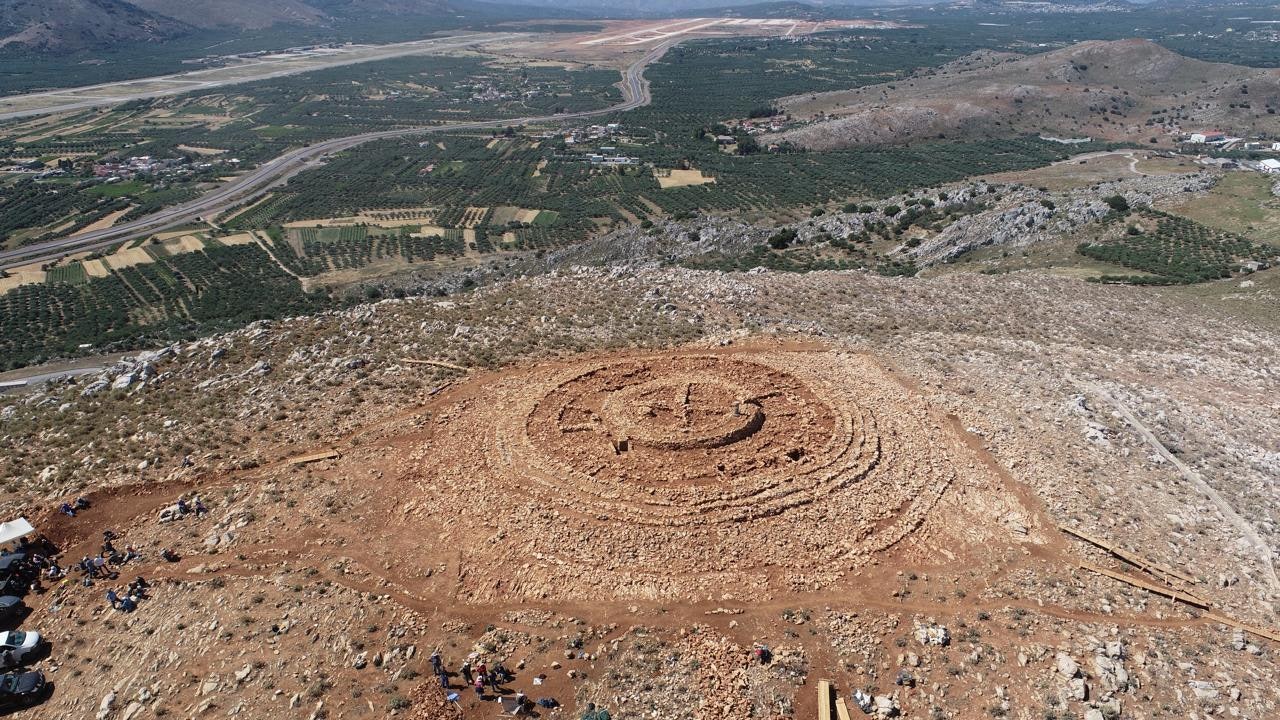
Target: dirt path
x,y
1133,160
266,248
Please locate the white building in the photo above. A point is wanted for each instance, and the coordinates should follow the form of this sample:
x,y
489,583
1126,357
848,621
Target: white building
x,y
1207,136
1270,165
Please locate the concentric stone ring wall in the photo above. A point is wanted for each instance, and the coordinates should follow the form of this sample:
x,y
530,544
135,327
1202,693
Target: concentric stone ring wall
x,y
685,472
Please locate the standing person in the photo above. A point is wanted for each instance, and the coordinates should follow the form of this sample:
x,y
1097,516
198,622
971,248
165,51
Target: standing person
x,y
444,679
436,663
113,599
466,672
480,686
492,679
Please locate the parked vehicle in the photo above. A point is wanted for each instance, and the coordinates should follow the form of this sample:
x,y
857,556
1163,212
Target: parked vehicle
x,y
19,647
10,606
22,689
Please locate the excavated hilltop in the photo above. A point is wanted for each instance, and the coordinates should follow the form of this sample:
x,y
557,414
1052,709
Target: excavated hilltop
x,y
619,482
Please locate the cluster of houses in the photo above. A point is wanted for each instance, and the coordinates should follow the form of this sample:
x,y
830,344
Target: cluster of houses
x,y
483,92
605,155
759,126
609,156
142,165
1221,141
592,133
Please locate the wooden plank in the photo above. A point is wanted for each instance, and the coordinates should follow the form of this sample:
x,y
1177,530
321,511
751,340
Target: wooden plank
x,y
1254,629
434,363
824,700
1151,566
1152,587
1188,599
314,457
842,709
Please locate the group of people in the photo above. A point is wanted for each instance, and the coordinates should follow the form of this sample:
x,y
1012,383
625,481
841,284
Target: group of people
x,y
71,508
194,506
592,713
133,594
27,564
480,676
100,566
103,565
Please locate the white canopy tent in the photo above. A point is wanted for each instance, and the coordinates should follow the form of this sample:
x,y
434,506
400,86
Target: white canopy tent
x,y
15,529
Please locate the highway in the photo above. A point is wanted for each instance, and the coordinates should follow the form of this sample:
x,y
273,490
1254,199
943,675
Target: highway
x,y
256,183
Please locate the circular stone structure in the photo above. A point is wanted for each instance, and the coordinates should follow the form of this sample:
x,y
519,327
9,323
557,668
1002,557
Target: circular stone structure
x,y
700,411
677,473
672,440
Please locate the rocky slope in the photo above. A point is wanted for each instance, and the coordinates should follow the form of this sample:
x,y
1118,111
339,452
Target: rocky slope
x,y
70,25
1120,90
63,25
282,605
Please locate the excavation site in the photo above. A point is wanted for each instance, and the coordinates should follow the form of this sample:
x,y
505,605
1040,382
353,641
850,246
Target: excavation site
x,y
693,475
779,525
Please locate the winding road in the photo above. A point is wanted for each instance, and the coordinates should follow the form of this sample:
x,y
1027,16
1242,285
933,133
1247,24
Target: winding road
x,y
255,184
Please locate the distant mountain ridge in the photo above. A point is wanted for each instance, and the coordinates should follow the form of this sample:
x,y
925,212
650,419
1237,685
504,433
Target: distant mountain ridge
x,y
70,25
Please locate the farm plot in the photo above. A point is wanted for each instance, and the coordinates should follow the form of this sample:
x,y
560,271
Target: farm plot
x,y
305,254
169,296
680,178
1179,251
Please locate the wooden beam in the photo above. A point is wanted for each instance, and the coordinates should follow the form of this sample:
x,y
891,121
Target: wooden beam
x,y
1254,629
1188,599
1149,586
314,457
434,363
842,710
824,700
1134,559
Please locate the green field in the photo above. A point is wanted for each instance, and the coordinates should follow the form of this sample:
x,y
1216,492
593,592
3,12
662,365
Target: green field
x,y
1172,250
176,296
72,274
1241,203
119,189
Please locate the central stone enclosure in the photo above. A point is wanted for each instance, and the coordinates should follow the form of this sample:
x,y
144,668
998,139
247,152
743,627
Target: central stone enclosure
x,y
684,421
694,412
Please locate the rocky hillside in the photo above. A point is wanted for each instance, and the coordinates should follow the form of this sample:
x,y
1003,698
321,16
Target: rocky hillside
x,y
281,606
1123,90
233,13
70,25
57,25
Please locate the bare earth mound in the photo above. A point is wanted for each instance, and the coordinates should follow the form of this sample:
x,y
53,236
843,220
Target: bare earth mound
x,y
686,475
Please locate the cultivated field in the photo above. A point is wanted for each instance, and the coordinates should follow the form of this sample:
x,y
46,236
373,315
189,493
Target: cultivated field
x,y
681,178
